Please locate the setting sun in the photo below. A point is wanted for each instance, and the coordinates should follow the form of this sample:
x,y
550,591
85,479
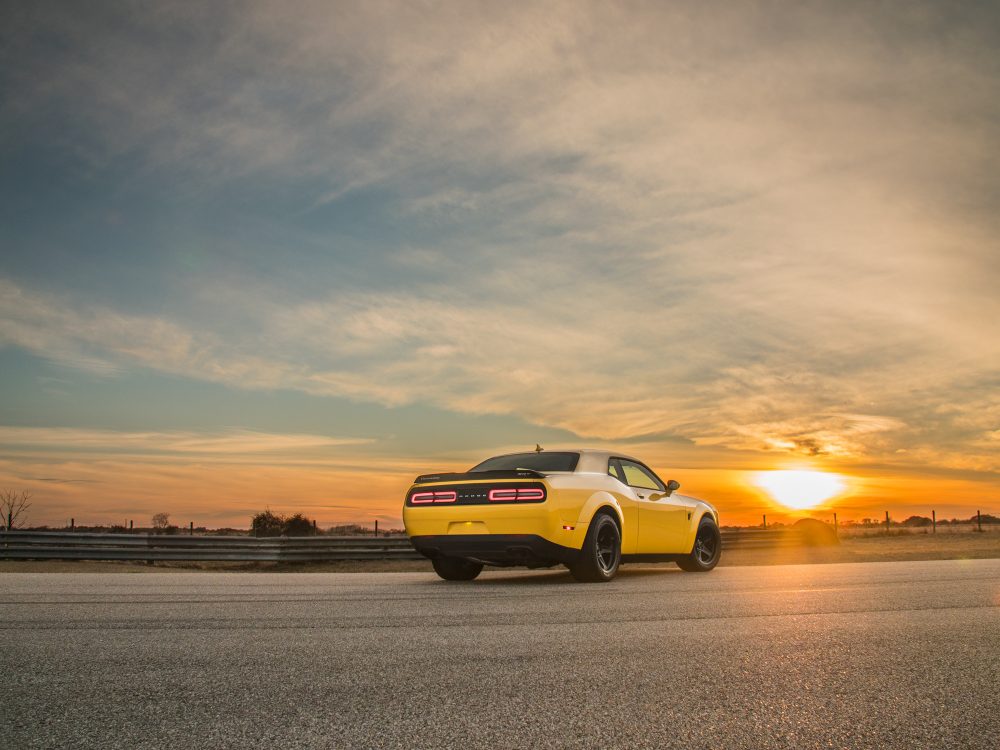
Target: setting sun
x,y
800,489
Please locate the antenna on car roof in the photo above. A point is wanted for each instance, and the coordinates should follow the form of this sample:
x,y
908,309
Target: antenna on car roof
x,y
538,448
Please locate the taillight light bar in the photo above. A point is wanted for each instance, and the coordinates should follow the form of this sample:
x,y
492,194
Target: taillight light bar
x,y
425,498
520,494
477,494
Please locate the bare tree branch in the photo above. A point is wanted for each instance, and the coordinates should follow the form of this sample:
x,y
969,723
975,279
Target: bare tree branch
x,y
14,507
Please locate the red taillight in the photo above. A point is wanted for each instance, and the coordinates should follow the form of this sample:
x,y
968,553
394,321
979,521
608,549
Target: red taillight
x,y
499,496
424,498
531,493
521,494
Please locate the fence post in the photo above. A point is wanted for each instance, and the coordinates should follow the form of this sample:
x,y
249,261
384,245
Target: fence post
x,y
836,528
191,529
130,525
765,522
72,524
376,527
979,521
887,522
934,522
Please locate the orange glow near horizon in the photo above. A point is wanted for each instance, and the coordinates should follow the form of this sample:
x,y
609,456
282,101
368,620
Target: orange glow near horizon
x,y
800,489
346,484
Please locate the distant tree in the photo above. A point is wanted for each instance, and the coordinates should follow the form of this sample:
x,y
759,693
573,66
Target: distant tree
x,y
917,521
161,521
14,507
267,524
298,525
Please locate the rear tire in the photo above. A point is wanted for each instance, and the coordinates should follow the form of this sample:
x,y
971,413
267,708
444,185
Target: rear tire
x,y
601,554
456,568
707,548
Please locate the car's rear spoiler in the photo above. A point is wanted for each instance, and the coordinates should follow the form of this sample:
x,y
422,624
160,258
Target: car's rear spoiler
x,y
469,476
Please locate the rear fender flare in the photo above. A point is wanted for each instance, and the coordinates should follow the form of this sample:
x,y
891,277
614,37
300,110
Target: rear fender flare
x,y
598,501
700,513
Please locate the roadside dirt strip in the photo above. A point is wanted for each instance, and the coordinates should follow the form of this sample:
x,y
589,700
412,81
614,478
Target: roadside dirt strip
x,y
887,655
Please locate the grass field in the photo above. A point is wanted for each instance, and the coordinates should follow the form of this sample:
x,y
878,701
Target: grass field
x,y
877,546
856,546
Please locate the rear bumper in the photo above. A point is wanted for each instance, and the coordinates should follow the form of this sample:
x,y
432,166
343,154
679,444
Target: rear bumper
x,y
496,549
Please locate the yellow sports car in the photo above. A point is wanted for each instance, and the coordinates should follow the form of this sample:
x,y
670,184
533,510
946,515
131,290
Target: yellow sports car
x,y
590,510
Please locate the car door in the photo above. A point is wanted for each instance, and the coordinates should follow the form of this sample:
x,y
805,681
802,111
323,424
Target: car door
x,y
662,523
630,508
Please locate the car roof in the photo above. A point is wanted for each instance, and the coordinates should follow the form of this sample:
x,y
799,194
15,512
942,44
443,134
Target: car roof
x,y
592,460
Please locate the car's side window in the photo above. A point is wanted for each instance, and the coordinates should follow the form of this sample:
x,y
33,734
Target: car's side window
x,y
615,470
639,476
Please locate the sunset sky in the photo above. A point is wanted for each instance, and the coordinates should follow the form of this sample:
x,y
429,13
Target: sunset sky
x,y
294,254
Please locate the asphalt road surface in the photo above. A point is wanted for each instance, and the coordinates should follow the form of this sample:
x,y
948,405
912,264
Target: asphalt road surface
x,y
893,655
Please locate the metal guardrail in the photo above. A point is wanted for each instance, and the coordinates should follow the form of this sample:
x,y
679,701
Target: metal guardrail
x,y
48,545
56,545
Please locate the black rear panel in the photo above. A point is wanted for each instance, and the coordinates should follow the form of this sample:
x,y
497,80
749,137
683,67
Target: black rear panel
x,y
497,549
475,494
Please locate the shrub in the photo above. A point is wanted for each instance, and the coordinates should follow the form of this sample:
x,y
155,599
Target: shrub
x,y
347,529
298,525
267,524
272,524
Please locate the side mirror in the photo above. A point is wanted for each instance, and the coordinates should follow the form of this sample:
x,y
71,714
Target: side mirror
x,y
672,485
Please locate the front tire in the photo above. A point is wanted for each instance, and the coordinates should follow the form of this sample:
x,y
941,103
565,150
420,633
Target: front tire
x,y
601,554
707,548
456,568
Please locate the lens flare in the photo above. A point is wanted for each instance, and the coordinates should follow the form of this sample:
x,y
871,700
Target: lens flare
x,y
800,489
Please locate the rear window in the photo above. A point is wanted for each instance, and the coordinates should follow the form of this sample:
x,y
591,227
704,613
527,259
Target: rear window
x,y
543,461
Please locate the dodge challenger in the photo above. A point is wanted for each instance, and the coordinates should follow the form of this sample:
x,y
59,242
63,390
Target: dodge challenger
x,y
590,510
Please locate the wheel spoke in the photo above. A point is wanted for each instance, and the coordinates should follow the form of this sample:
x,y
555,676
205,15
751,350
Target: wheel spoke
x,y
605,548
704,550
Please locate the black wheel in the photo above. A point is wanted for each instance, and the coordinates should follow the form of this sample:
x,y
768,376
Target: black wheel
x,y
456,569
602,552
707,548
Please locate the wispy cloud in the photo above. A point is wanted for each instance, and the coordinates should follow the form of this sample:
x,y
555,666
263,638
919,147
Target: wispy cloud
x,y
613,378
750,228
237,442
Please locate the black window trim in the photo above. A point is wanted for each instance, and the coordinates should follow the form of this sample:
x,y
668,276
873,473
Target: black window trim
x,y
613,461
619,459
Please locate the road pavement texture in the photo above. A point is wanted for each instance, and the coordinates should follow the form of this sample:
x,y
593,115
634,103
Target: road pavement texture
x,y
869,655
